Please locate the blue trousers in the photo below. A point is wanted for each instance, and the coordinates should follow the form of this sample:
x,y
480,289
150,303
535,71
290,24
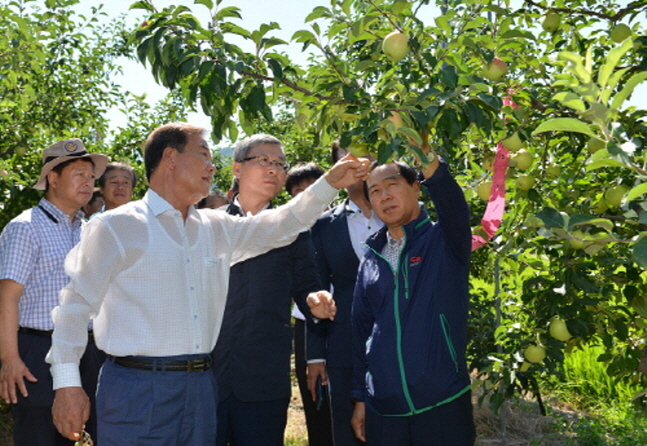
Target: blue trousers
x,y
156,408
342,406
451,424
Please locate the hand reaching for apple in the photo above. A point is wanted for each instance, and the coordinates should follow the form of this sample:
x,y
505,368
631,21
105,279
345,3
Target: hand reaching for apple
x,y
348,171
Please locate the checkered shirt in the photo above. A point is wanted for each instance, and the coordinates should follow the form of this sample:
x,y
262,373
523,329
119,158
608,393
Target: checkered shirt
x,y
392,249
33,247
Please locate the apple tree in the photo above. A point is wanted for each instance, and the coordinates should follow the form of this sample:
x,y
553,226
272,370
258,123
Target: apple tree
x,y
550,80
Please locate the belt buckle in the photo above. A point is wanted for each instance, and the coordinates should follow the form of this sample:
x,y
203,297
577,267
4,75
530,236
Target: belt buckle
x,y
196,365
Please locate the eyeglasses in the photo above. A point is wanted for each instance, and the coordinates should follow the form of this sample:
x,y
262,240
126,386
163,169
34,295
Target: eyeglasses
x,y
264,161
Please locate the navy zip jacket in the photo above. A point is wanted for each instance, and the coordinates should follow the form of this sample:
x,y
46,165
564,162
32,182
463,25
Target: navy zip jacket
x,y
410,325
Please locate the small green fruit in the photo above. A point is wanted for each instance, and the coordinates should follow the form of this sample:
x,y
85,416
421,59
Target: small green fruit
x,y
577,241
551,22
513,142
484,189
615,195
522,159
534,353
620,32
525,182
559,330
525,366
359,150
553,171
395,46
495,70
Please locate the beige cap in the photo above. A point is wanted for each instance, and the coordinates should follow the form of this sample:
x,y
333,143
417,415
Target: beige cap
x,y
64,151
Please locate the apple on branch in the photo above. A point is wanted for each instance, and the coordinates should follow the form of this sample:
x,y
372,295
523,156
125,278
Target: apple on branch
x,y
395,46
494,70
620,32
551,22
513,142
534,353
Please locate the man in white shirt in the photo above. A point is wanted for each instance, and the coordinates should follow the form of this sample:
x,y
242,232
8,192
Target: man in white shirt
x,y
153,275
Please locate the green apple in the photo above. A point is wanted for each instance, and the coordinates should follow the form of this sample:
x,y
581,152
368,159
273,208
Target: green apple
x,y
620,32
601,206
534,353
577,241
513,142
359,149
484,189
595,144
559,330
488,162
522,159
553,171
524,366
525,182
551,22
615,194
395,46
495,70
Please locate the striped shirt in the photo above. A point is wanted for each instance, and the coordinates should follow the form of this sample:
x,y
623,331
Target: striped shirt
x,y
33,247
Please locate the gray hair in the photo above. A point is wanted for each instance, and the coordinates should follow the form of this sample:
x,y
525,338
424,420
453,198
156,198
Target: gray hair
x,y
242,147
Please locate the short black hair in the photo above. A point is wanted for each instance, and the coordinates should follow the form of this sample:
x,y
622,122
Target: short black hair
x,y
302,172
406,171
174,135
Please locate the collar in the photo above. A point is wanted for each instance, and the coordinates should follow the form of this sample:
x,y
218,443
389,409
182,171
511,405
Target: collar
x,y
411,231
159,205
57,214
238,209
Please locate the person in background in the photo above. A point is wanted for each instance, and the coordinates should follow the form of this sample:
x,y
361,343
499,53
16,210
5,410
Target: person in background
x,y
117,184
95,204
252,357
318,419
33,247
410,378
153,276
214,200
339,236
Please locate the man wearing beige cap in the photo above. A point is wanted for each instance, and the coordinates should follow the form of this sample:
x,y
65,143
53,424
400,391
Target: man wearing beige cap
x,y
33,247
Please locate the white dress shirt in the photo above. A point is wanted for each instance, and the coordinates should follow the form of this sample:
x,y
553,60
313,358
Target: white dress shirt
x,y
360,227
156,285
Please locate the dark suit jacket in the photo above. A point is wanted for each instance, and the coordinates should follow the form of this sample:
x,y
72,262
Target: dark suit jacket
x,y
252,356
338,266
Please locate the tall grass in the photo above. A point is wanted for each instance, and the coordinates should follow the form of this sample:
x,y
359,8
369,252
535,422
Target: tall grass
x,y
610,418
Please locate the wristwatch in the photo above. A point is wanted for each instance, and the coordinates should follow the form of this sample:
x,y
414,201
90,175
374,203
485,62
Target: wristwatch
x,y
431,156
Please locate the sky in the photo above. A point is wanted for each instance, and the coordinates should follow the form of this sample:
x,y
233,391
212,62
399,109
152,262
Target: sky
x,y
290,14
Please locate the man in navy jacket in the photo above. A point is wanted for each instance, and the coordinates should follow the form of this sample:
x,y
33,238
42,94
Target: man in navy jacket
x,y
410,378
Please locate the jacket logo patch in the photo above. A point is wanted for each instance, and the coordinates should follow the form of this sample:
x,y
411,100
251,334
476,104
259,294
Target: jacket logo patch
x,y
415,260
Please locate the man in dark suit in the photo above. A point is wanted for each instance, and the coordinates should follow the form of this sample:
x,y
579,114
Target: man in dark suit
x,y
251,359
338,236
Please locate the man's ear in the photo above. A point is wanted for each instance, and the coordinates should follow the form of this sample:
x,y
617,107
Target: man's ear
x,y
168,157
52,179
235,169
416,186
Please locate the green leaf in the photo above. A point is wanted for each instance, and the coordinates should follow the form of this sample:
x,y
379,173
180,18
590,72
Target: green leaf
x,y
145,5
231,11
564,125
612,60
639,254
628,88
637,191
319,11
551,218
570,100
207,3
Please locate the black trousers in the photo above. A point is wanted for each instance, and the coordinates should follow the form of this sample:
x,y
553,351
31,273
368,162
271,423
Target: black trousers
x,y
32,416
451,424
318,422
